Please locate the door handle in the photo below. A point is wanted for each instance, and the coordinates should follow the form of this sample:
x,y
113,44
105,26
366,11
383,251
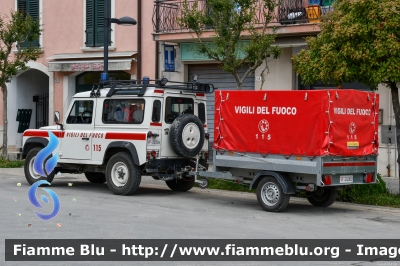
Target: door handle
x,y
85,138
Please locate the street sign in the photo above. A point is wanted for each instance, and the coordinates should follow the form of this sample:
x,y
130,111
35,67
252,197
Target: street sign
x,y
169,58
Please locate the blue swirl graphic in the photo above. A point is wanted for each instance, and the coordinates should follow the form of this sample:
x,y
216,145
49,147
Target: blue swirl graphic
x,y
35,202
38,164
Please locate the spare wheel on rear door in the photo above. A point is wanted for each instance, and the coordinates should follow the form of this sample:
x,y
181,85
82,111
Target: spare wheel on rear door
x,y
187,135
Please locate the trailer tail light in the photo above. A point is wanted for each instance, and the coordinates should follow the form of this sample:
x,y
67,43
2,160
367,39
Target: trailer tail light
x,y
327,179
153,154
369,177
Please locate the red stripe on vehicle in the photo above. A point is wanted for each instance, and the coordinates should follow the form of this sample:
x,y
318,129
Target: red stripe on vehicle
x,y
200,94
154,124
158,91
43,133
349,164
126,136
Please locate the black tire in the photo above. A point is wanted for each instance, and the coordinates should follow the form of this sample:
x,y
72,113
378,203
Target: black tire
x,y
187,135
122,175
323,197
204,183
30,174
95,178
181,185
270,195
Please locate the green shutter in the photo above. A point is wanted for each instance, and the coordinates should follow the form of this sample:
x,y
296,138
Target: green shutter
x,y
99,22
30,7
90,4
34,13
22,6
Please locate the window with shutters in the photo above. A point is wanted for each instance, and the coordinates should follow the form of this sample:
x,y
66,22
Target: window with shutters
x,y
95,23
31,8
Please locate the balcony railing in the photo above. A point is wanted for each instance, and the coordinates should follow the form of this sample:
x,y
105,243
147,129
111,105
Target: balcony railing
x,y
166,12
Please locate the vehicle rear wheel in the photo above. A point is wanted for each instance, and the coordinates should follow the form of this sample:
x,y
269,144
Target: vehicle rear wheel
x,y
323,197
180,184
30,174
95,178
122,175
270,195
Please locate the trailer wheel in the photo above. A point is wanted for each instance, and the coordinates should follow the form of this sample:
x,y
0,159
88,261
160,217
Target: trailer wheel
x,y
187,135
203,183
323,197
95,178
122,175
270,195
30,173
181,185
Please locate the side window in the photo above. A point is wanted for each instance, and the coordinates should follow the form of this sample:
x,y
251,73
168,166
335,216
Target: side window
x,y
31,8
123,111
81,113
155,117
202,112
175,106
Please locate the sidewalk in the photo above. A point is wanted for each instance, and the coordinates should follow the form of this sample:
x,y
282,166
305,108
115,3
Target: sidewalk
x,y
392,184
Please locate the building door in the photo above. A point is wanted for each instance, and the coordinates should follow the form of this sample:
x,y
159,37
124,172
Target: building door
x,y
211,73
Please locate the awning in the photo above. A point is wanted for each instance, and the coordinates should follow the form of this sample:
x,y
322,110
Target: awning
x,y
90,62
89,65
89,55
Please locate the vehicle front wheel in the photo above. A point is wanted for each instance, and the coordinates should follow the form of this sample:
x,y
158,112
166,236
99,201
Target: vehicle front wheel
x,y
122,175
323,197
270,195
30,174
95,178
180,184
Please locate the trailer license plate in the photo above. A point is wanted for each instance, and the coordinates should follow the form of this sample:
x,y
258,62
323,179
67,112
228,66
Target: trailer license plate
x,y
346,179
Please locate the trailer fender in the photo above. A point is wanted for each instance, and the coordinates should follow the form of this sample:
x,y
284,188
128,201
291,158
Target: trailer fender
x,y
284,181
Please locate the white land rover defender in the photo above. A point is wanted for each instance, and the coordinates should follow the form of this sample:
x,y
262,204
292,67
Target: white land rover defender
x,y
120,130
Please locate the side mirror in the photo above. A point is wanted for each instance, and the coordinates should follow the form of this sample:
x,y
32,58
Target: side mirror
x,y
57,119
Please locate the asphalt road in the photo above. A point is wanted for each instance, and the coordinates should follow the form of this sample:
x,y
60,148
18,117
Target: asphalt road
x,y
155,212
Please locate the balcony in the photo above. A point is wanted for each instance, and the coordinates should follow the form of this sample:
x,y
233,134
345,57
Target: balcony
x,y
288,12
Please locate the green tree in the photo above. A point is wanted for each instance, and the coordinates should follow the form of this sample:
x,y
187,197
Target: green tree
x,y
241,37
15,30
359,40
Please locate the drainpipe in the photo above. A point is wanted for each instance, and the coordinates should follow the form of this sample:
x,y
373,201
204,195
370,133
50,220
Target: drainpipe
x,y
139,41
389,144
157,42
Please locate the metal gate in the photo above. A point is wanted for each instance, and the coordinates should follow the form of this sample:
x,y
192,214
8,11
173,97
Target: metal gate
x,y
42,110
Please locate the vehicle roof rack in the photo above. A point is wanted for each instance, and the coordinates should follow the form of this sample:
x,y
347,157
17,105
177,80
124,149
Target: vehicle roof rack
x,y
138,87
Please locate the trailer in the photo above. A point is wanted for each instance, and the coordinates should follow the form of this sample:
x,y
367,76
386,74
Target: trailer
x,y
285,142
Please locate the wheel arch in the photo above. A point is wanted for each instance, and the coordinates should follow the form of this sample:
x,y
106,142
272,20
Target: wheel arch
x,y
284,181
33,143
121,146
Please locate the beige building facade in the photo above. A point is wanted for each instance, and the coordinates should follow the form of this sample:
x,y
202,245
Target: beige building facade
x,y
72,60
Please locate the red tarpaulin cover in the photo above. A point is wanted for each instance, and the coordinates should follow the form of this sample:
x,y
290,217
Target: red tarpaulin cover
x,y
306,123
